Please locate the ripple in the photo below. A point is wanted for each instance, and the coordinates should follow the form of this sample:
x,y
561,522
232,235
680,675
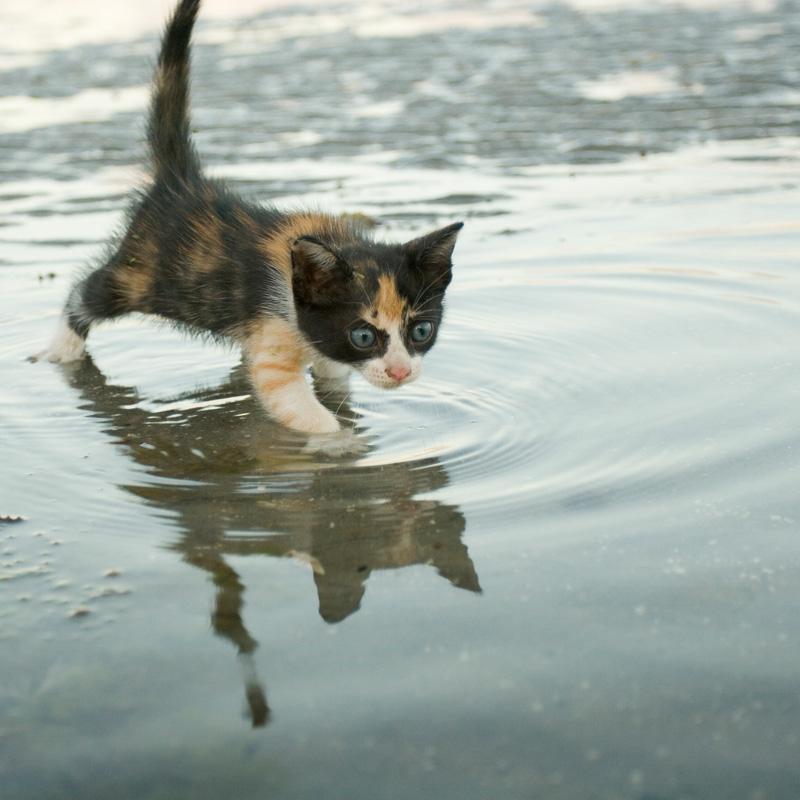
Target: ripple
x,y
603,392
552,391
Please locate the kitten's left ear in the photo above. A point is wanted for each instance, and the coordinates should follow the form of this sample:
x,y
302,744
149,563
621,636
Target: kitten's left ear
x,y
431,254
316,270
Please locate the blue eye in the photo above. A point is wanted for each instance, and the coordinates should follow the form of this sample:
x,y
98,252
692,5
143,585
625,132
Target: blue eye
x,y
421,332
362,338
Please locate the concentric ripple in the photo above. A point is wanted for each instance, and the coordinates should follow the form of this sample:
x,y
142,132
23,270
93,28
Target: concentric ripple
x,y
554,391
565,407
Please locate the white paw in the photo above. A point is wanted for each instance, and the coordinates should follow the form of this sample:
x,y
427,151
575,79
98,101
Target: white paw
x,y
314,420
56,356
299,410
66,345
345,443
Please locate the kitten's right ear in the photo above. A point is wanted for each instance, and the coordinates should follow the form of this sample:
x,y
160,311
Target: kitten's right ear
x,y
316,269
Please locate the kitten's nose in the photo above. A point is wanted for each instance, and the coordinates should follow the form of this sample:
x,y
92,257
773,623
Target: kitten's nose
x,y
398,373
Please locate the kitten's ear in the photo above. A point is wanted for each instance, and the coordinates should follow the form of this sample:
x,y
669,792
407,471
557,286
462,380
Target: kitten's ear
x,y
431,254
316,269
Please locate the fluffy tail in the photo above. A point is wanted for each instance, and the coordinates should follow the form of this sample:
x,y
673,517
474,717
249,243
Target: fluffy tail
x,y
175,161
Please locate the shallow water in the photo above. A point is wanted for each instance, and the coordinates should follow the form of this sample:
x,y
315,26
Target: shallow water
x,y
563,564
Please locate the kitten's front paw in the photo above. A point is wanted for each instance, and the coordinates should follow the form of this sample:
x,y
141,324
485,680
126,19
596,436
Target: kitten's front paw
x,y
312,420
346,443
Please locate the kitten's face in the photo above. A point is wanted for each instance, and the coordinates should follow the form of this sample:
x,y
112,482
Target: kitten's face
x,y
393,335
374,307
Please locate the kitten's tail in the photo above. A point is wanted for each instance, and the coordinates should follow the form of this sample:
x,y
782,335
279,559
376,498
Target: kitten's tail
x,y
174,159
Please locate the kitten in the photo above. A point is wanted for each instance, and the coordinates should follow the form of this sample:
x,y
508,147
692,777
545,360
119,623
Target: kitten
x,y
292,289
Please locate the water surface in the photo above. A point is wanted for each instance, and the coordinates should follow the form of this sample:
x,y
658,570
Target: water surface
x,y
563,564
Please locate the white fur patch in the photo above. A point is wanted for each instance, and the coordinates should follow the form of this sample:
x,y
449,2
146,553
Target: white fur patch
x,y
377,370
66,345
296,407
333,375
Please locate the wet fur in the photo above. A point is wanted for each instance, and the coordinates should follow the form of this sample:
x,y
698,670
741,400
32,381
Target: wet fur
x,y
288,287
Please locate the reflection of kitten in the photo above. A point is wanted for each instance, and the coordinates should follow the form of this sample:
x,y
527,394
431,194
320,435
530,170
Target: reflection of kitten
x,y
291,288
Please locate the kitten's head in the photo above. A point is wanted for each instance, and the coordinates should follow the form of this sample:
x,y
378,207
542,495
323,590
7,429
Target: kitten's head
x,y
376,307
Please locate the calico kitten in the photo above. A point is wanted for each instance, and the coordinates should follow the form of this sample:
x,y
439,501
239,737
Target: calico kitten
x,y
292,289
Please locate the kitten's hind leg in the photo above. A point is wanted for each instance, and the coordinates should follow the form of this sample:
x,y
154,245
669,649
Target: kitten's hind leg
x,y
69,338
97,297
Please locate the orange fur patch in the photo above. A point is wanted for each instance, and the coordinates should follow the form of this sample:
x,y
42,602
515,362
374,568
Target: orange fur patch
x,y
247,222
135,275
275,342
208,251
276,246
390,307
135,281
275,354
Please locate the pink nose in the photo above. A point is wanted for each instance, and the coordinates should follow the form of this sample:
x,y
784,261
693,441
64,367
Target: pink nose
x,y
398,373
